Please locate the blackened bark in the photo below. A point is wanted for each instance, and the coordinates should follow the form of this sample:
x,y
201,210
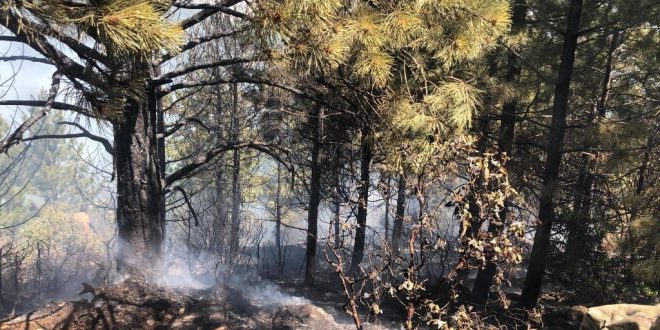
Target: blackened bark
x,y
139,185
162,160
314,199
236,179
278,220
486,274
219,180
577,242
360,231
399,213
536,269
387,208
2,295
337,197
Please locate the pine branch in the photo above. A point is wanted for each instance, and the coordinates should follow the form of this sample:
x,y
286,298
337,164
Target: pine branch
x,y
65,65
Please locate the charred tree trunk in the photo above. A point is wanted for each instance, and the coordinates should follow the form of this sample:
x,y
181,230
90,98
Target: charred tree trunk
x,y
486,274
38,279
360,232
162,160
139,185
399,213
2,292
337,197
236,179
536,269
578,228
387,208
278,220
314,200
219,180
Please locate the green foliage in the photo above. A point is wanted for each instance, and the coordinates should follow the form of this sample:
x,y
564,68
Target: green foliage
x,y
123,26
376,42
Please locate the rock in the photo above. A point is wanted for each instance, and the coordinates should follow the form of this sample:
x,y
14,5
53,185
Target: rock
x,y
622,317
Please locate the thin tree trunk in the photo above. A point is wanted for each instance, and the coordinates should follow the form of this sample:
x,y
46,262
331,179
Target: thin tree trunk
x,y
399,213
278,220
236,179
337,197
578,228
387,208
162,160
536,269
139,185
38,279
314,200
360,232
486,274
219,176
2,294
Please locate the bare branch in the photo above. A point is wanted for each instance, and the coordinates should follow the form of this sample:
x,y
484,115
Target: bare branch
x,y
187,200
179,125
167,77
223,8
53,105
25,58
187,170
198,41
9,38
72,136
17,136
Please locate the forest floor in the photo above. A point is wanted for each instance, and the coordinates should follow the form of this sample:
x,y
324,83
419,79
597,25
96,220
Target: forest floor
x,y
248,304
138,304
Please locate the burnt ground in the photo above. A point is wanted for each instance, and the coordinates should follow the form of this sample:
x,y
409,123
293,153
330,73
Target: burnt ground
x,y
139,304
556,313
283,303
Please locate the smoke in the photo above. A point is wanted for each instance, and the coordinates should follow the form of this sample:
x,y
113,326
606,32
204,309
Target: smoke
x,y
178,275
264,294
205,275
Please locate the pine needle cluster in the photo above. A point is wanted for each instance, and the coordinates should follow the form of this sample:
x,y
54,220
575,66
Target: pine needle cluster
x,y
119,27
403,54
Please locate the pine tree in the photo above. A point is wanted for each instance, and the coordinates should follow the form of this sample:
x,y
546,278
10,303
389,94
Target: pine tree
x,y
396,62
117,45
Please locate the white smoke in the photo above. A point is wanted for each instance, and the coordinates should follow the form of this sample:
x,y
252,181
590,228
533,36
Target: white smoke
x,y
266,295
204,274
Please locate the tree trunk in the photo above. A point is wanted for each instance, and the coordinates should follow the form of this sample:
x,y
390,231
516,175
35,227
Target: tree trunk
x,y
236,179
486,274
278,220
314,200
219,180
337,197
576,243
399,213
139,185
536,269
387,208
360,232
2,294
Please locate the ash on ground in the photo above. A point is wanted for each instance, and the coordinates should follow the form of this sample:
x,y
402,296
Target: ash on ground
x,y
136,303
